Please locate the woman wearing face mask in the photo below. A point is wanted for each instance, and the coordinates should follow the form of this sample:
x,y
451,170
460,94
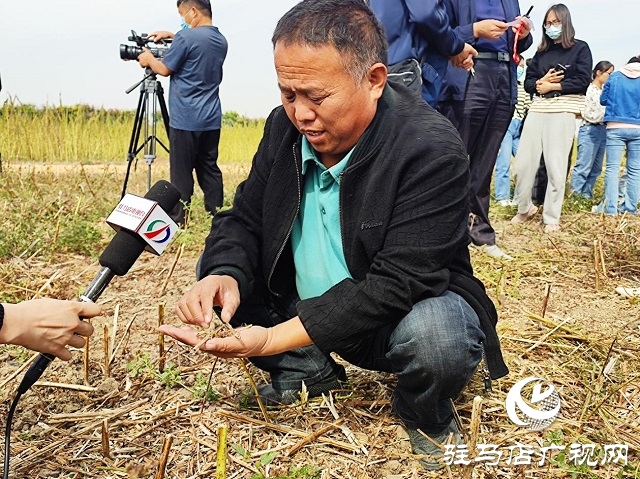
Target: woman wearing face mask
x,y
558,77
592,136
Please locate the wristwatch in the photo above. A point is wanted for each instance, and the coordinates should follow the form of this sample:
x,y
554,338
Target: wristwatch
x,y
1,315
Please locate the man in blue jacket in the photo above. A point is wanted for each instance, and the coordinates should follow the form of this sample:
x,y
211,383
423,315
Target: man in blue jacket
x,y
420,30
480,105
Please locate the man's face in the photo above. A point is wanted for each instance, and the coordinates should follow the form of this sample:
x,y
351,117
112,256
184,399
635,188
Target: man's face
x,y
323,101
186,12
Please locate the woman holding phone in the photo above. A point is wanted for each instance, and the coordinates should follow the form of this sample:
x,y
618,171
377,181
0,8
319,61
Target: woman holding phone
x,y
558,77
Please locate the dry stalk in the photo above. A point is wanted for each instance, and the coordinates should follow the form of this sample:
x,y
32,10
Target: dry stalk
x,y
474,429
86,178
47,283
545,301
75,387
105,439
124,335
221,453
114,330
85,362
604,267
328,402
26,364
553,324
232,458
595,264
173,266
161,353
206,389
286,430
545,336
312,437
105,347
164,456
263,409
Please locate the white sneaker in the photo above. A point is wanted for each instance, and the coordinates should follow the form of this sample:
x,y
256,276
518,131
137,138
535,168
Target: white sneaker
x,y
507,203
495,251
628,292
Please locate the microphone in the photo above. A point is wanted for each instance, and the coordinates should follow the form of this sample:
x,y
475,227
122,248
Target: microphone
x,y
117,259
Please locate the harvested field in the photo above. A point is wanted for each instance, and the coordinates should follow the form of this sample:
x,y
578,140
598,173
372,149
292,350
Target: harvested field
x,y
139,409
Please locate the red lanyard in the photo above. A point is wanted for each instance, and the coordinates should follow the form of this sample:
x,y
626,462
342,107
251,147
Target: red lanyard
x,y
516,56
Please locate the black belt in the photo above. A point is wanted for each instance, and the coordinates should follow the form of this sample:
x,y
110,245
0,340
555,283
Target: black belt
x,y
497,56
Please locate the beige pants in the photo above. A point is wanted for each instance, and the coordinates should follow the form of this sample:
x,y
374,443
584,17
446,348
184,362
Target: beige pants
x,y
551,135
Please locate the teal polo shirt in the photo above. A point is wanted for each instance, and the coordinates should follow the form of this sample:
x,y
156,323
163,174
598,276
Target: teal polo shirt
x,y
316,237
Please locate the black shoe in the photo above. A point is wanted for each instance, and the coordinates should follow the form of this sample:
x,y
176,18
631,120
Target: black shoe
x,y
433,454
272,397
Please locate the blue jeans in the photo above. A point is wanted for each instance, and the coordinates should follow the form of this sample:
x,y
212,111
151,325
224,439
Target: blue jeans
x,y
591,146
619,139
508,148
434,351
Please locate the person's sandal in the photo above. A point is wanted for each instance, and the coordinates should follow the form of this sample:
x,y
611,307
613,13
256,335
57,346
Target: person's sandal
x,y
522,217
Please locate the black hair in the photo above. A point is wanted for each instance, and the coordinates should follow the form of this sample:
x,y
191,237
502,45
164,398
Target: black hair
x,y
635,59
568,36
348,25
601,66
203,6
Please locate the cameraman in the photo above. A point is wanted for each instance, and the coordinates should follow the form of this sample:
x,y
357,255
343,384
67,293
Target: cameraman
x,y
194,62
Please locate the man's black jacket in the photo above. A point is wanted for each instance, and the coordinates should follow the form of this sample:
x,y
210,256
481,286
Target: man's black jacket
x,y
404,215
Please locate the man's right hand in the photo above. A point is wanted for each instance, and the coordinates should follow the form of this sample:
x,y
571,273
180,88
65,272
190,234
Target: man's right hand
x,y
196,306
160,35
489,29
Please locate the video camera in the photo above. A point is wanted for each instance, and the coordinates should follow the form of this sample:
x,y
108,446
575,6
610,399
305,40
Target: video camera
x,y
131,52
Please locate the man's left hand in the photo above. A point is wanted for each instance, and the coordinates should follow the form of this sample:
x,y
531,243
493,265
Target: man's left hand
x,y
251,341
525,26
464,59
145,58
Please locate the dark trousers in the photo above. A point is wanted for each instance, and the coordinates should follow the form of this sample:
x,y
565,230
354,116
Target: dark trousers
x,y
427,376
482,120
195,150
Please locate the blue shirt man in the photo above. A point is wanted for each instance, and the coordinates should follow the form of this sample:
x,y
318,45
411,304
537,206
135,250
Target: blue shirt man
x,y
194,62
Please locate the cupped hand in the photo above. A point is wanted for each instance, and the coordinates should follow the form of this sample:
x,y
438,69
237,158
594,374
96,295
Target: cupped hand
x,y
251,341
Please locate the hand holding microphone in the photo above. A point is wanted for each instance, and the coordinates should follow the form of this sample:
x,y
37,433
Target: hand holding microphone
x,y
47,325
118,257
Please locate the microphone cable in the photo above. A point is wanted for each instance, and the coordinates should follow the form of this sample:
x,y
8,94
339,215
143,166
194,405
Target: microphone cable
x,y
7,434
123,250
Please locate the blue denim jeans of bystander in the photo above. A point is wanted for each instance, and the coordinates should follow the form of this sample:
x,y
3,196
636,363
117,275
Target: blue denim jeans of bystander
x,y
592,140
619,139
508,148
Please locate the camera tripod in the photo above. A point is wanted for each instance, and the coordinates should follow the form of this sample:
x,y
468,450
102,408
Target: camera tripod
x,y
145,121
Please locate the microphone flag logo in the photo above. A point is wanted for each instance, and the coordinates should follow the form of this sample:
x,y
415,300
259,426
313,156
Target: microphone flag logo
x,y
158,231
539,408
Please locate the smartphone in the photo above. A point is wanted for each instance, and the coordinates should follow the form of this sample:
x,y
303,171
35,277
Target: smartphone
x,y
559,68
